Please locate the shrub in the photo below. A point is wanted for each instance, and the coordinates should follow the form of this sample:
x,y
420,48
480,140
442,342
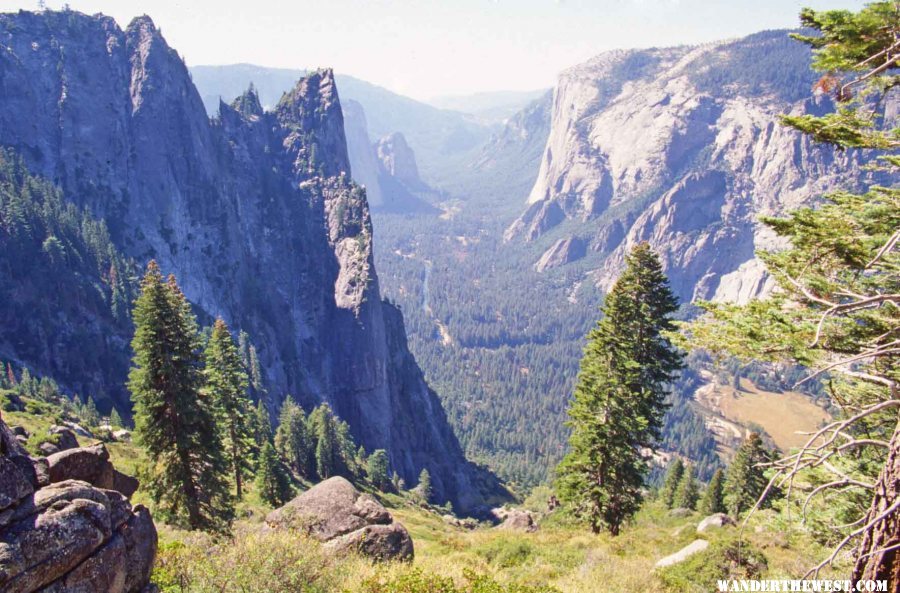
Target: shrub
x,y
417,581
250,561
721,560
505,553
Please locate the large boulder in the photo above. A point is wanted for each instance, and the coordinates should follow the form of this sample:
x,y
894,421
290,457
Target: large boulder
x,y
714,521
69,536
63,437
379,542
335,509
517,520
89,464
695,547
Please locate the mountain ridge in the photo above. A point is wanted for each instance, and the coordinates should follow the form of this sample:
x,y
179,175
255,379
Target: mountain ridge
x,y
254,212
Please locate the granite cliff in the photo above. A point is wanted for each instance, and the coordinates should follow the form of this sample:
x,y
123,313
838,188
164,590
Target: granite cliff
x,y
253,210
679,147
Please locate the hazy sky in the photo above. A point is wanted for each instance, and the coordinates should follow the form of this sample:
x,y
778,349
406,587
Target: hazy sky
x,y
427,48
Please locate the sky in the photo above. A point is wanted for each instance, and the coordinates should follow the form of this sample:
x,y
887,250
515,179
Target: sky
x,y
431,48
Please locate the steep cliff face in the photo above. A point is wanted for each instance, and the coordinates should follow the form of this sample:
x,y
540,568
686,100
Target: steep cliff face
x,y
254,211
679,147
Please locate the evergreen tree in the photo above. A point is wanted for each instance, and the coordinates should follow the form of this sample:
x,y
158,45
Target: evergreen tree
x,y
377,469
89,413
292,440
397,482
686,493
670,485
226,386
837,307
115,420
619,402
262,426
324,428
174,421
712,501
423,488
746,480
10,376
272,481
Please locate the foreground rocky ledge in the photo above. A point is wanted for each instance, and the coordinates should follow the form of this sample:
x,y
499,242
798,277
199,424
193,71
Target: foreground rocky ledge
x,y
61,535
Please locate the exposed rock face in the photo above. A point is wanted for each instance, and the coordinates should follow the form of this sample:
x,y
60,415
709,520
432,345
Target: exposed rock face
x,y
714,521
69,535
254,211
680,147
695,547
365,165
388,188
334,511
398,160
516,520
65,438
562,252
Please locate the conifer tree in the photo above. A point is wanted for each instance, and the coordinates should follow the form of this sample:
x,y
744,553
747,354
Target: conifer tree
x,y
89,412
377,469
115,420
746,479
174,421
423,488
226,386
272,481
262,426
712,501
687,492
673,478
292,440
837,306
327,449
619,403
10,376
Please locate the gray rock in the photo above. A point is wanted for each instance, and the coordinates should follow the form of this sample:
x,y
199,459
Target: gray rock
x,y
124,483
518,520
335,511
19,431
563,252
68,536
90,464
48,449
122,435
65,438
684,553
330,508
717,520
379,542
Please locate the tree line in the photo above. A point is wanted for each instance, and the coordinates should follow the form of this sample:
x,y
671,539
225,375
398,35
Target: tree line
x,y
205,438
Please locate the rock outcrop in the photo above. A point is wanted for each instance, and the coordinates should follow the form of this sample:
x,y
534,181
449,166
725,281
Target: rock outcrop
x,y
563,252
695,547
714,521
67,535
336,513
254,211
681,147
515,520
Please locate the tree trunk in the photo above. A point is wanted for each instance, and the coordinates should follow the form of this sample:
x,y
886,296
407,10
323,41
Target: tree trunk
x,y
878,554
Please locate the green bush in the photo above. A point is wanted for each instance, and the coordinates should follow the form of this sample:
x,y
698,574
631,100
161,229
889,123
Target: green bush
x,y
504,553
416,581
728,559
250,562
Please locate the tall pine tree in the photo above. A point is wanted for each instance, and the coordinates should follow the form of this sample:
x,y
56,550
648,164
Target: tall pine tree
x,y
617,412
712,501
226,385
746,479
174,421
